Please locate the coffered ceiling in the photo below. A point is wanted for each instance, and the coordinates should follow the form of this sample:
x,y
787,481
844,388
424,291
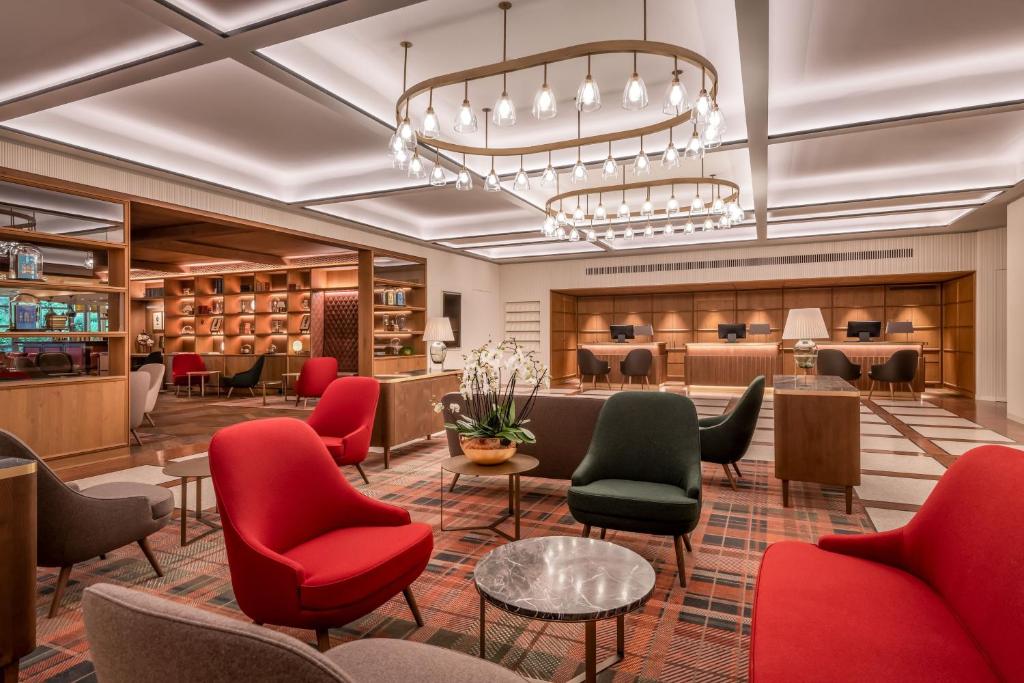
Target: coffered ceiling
x,y
843,118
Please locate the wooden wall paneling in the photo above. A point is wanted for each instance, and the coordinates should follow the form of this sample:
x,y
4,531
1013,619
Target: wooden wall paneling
x,y
759,299
810,297
563,335
958,334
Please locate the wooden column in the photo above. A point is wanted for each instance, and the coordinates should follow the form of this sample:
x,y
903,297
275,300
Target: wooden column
x,y
17,564
366,322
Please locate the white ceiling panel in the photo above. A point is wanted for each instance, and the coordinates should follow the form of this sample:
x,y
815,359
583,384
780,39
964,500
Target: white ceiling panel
x,y
840,226
229,15
552,248
835,63
976,152
677,239
50,42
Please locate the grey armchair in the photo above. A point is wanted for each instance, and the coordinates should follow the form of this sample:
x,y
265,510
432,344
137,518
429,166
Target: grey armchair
x,y
724,439
642,472
74,526
589,364
139,637
834,362
901,368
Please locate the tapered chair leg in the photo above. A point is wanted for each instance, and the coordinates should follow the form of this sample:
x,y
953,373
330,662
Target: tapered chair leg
x,y
586,531
407,592
149,419
736,467
454,482
297,399
148,552
323,640
305,403
58,592
686,542
230,390
892,393
603,533
680,561
728,474
871,390
252,392
361,473
137,439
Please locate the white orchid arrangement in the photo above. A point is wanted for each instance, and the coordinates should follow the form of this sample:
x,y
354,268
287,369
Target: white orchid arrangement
x,y
488,386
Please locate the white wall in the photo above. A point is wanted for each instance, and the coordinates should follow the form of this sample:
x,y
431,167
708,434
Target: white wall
x,y
477,280
983,252
1015,310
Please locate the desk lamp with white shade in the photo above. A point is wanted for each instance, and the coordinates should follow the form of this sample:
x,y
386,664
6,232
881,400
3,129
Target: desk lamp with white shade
x,y
900,327
437,332
805,325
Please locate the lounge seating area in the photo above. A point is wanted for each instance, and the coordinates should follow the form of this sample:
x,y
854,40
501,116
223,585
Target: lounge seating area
x,y
575,341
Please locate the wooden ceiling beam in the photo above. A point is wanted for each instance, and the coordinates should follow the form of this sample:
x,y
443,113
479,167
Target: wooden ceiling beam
x,y
216,251
184,231
160,266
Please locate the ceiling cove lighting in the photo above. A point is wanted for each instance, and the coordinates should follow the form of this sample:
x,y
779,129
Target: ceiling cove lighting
x,y
503,114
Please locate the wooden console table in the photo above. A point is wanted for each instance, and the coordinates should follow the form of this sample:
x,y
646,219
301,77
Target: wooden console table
x,y
817,432
404,411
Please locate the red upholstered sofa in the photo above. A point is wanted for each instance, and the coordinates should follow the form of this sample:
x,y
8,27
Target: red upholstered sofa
x,y
941,599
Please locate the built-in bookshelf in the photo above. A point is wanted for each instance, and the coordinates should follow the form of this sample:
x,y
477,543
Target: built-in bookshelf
x,y
399,315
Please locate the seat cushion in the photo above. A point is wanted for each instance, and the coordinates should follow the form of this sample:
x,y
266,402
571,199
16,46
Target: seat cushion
x,y
635,500
161,500
389,660
335,446
344,566
822,616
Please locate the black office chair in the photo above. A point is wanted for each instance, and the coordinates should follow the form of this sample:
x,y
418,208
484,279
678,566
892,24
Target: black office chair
x,y
834,362
637,363
724,439
55,363
901,368
246,380
589,364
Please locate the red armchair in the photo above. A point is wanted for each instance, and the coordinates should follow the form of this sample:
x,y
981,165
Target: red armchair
x,y
181,365
314,378
344,419
940,599
305,549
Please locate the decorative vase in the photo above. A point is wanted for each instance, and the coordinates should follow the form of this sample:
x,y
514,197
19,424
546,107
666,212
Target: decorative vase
x,y
486,451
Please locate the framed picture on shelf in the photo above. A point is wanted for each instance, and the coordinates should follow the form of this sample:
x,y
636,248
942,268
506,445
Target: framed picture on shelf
x,y
217,325
304,324
156,320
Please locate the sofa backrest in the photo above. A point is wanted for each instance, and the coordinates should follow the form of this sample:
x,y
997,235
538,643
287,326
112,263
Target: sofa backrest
x,y
967,543
563,426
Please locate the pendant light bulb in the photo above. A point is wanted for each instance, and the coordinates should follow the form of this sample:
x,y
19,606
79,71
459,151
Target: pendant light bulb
x,y
591,235
549,225
623,211
708,224
395,145
431,124
672,206
406,133
561,218
579,172
641,164
669,228
688,227
491,182
560,232
588,95
628,234
522,180
716,119
609,169
697,205
464,181
670,159
465,119
647,208
634,95
578,214
676,98
548,177
724,222
703,106
574,235
649,231
600,213
609,235
417,169
437,177
545,104
401,159
718,206
504,114
694,147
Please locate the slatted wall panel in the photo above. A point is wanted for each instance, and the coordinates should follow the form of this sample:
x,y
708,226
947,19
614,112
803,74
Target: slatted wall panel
x,y
958,365
563,336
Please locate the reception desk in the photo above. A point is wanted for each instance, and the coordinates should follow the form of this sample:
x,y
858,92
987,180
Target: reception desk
x,y
613,353
731,365
866,354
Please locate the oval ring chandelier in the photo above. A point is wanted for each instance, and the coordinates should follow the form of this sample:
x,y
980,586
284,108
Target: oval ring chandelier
x,y
708,120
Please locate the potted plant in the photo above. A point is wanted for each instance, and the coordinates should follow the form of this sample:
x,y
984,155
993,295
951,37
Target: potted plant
x,y
490,428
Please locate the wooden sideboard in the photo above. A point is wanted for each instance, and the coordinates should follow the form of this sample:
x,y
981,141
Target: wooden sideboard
x,y
405,409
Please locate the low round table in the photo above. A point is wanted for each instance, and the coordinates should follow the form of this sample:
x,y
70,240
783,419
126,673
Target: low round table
x,y
568,579
512,468
197,468
264,383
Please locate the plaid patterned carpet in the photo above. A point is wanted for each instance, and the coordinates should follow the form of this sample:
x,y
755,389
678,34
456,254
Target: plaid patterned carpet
x,y
696,634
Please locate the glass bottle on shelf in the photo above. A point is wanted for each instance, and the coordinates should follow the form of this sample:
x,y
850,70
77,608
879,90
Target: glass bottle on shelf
x,y
386,322
399,297
26,262
390,297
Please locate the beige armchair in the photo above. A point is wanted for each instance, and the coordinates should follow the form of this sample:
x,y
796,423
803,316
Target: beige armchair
x,y
155,371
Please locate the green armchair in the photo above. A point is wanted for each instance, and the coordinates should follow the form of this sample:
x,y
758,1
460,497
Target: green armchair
x,y
247,379
642,472
724,439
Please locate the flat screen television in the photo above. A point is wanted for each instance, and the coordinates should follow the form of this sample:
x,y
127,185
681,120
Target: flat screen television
x,y
732,331
864,330
621,333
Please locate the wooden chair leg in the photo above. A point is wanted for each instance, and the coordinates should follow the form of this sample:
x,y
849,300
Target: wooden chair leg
x,y
736,466
586,531
686,542
407,592
728,474
871,390
148,552
603,532
149,419
297,398
361,473
58,592
137,439
454,482
323,640
680,561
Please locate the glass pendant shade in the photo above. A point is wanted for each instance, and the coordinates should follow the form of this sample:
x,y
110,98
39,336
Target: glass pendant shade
x,y
676,98
688,227
549,225
649,231
623,211
579,173
600,213
718,206
577,213
491,182
670,159
609,169
703,106
716,119
647,208
669,228
694,147
634,95
548,177
591,235
724,222
708,224
545,106
406,133
504,113
711,138
395,145
522,180
464,181
672,206
465,119
561,218
628,234
588,95
697,205
609,234
641,165
401,159
431,124
417,169
560,232
574,235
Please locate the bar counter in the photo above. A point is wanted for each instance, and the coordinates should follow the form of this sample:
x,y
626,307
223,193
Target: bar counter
x,y
612,353
722,364
866,354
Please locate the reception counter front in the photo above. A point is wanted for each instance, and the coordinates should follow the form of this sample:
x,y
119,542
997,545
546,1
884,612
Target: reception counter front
x,y
866,354
613,353
731,365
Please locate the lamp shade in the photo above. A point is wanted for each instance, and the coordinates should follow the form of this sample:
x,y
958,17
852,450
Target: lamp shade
x,y
438,329
805,323
643,330
759,328
899,327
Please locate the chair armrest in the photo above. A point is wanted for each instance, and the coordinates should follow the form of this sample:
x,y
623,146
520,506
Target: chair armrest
x,y
357,441
585,472
97,525
368,511
713,421
885,547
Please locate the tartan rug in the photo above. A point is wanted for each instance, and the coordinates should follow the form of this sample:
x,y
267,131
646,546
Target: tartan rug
x,y
700,633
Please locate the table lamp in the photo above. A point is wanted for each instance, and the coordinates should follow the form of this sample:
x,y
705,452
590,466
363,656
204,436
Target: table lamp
x,y
437,332
805,325
899,327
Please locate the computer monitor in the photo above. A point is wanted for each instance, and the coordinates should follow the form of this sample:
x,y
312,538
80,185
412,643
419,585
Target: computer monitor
x,y
864,330
621,333
732,331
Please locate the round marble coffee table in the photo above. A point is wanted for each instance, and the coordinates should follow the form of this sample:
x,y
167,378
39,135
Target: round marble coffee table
x,y
569,579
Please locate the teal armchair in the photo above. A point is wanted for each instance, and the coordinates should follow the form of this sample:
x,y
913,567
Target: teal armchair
x,y
642,472
724,439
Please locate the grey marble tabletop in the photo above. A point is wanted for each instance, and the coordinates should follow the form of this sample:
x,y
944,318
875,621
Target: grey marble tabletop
x,y
564,578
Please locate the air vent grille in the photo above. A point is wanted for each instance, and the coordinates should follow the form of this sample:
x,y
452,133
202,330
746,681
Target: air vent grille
x,y
754,261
